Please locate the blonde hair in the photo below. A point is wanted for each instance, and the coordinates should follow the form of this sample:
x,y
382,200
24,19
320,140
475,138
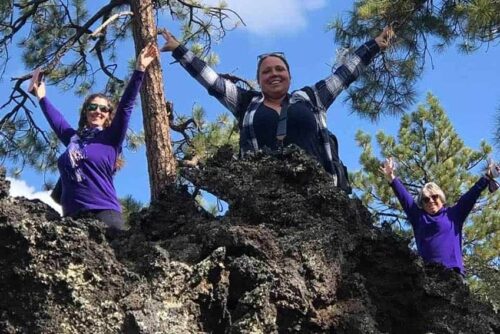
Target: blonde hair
x,y
82,122
428,190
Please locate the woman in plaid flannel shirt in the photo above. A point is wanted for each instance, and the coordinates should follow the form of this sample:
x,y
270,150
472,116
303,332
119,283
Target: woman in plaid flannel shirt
x,y
258,112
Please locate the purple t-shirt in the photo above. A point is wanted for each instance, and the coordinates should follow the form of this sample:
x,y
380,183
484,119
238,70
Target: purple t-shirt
x,y
96,191
439,236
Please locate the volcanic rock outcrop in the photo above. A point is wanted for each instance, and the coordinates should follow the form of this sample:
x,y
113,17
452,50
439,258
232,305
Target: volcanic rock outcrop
x,y
291,255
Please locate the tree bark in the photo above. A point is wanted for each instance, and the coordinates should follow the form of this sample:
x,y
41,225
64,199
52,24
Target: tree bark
x,y
159,153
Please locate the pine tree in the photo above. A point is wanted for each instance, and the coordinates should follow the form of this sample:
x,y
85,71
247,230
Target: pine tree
x,y
130,206
76,46
201,139
426,149
422,27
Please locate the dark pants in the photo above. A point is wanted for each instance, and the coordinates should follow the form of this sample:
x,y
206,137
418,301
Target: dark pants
x,y
113,219
462,275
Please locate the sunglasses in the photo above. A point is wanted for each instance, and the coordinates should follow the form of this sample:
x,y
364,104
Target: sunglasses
x,y
94,106
271,54
427,200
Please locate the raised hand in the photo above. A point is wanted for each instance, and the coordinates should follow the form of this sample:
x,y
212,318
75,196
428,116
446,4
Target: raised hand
x,y
171,43
146,57
388,169
384,39
493,170
37,86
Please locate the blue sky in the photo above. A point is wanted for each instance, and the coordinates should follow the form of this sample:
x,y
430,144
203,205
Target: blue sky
x,y
466,85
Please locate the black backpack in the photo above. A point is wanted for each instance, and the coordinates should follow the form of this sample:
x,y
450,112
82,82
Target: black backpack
x,y
337,166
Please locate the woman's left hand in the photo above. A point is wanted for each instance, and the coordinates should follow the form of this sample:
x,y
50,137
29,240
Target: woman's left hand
x,y
388,169
384,39
146,57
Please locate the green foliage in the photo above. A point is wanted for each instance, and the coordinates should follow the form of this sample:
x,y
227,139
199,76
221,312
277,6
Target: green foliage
x,y
201,139
5,9
65,39
427,148
388,85
20,140
130,206
135,140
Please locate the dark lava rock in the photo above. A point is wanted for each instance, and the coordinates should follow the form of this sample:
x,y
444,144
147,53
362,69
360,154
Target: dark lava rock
x,y
4,184
292,255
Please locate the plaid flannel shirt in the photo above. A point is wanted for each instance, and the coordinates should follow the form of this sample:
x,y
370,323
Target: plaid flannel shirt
x,y
244,103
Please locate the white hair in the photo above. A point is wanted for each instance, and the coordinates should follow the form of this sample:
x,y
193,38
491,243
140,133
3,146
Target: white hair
x,y
428,190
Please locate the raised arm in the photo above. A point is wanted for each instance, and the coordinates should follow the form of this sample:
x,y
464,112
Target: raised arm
x,y
328,89
56,120
467,201
119,126
404,197
224,90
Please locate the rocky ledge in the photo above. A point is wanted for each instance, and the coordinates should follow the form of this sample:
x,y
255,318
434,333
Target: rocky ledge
x,y
291,255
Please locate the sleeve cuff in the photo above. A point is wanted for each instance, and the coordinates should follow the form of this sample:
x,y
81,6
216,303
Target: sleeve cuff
x,y
483,181
367,51
179,52
372,47
43,101
138,73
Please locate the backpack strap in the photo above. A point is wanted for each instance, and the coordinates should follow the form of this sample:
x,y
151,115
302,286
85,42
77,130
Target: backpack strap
x,y
281,129
330,143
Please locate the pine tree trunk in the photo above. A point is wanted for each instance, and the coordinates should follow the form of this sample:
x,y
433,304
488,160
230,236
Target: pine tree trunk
x,y
161,162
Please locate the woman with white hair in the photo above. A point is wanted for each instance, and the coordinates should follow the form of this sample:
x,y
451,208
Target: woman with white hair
x,y
437,227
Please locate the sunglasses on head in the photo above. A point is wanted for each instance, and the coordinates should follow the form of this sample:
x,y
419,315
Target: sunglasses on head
x,y
427,200
271,54
94,106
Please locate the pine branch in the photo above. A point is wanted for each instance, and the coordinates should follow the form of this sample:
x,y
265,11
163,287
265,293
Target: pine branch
x,y
19,23
237,80
114,17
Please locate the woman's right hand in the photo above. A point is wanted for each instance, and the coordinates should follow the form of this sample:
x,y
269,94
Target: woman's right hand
x,y
171,43
493,170
37,85
388,169
146,56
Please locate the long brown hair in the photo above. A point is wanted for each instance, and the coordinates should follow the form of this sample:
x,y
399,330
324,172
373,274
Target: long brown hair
x,y
82,122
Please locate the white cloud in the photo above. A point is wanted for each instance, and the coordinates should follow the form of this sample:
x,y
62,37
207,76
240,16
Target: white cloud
x,y
21,188
273,17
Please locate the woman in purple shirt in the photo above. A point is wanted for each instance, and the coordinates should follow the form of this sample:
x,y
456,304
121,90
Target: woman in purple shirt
x,y
437,228
88,165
